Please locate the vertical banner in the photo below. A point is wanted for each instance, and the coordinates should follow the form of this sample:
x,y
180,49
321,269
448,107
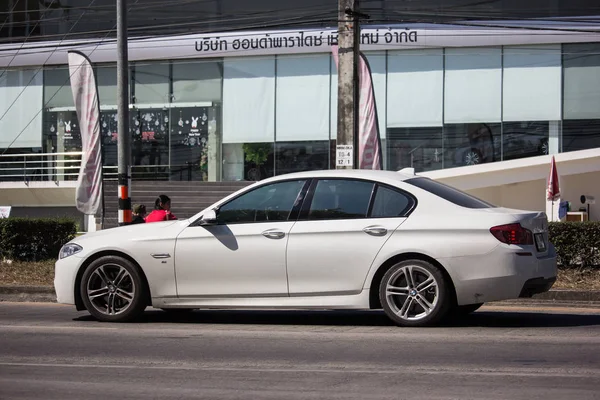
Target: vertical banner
x,y
369,138
88,194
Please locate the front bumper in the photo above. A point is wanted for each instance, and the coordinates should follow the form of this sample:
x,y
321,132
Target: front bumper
x,y
65,274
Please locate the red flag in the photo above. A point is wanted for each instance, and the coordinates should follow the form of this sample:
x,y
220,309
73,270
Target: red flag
x,y
369,140
553,191
85,95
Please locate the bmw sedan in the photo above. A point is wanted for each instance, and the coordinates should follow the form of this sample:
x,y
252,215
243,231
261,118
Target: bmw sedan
x,y
340,239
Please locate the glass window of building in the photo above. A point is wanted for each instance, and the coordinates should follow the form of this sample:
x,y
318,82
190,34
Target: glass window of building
x,y
472,106
60,130
248,118
106,77
21,103
581,124
195,120
414,109
197,81
531,103
57,87
151,83
302,113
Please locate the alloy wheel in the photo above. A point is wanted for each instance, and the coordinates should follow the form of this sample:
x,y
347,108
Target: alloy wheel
x,y
412,293
111,289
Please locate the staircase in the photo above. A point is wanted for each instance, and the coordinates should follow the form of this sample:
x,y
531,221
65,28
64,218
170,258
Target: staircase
x,y
187,197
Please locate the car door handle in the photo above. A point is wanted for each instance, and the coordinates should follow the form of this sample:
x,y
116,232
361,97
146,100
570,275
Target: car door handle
x,y
375,230
273,234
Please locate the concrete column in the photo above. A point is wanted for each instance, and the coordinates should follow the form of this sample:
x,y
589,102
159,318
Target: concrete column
x,y
554,137
60,147
214,145
89,223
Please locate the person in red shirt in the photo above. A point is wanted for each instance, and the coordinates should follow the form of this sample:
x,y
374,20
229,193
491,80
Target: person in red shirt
x,y
162,210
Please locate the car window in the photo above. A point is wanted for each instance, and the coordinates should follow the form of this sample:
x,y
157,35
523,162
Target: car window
x,y
390,203
449,193
340,199
272,202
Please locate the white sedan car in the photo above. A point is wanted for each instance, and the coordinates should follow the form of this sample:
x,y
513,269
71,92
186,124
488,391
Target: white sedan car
x,y
339,239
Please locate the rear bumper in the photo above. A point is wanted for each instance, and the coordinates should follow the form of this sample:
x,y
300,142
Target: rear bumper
x,y
536,286
503,274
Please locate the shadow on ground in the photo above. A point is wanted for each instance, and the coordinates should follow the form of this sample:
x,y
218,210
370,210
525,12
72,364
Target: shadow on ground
x,y
491,319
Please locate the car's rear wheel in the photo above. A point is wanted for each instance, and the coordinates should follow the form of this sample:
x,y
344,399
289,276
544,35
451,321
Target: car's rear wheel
x,y
414,293
113,290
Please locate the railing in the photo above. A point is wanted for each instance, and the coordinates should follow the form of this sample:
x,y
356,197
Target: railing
x,y
59,167
40,167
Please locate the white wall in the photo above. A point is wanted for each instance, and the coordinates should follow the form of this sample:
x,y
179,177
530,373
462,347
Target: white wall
x,y
37,194
530,195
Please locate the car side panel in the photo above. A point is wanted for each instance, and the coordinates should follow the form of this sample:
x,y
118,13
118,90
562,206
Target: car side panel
x,y
430,235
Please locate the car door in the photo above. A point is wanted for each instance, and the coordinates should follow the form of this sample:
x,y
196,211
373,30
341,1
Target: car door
x,y
243,254
342,226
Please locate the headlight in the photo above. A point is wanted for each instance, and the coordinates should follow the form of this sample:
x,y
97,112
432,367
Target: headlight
x,y
69,249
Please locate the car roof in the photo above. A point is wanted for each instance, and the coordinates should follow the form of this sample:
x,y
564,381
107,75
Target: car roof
x,y
347,173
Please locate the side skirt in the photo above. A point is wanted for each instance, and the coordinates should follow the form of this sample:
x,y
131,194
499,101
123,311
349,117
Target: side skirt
x,y
355,301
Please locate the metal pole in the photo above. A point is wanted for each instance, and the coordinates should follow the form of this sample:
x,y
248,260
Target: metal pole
x,y
347,123
124,152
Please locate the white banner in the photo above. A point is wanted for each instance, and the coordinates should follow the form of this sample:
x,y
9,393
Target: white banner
x,y
5,211
88,194
257,43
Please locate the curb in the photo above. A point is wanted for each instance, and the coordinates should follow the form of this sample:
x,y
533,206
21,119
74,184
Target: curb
x,y
47,294
38,294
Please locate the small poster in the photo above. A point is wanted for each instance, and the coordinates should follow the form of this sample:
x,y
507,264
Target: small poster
x,y
191,126
5,211
344,156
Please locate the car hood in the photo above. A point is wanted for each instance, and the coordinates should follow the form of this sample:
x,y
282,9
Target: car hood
x,y
154,230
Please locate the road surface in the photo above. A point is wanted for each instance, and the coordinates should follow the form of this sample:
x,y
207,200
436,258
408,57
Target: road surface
x,y
50,351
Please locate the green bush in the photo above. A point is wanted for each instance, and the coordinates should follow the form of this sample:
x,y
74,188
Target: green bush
x,y
577,243
34,239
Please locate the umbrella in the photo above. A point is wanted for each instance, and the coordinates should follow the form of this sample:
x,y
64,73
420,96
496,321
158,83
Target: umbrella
x,y
553,189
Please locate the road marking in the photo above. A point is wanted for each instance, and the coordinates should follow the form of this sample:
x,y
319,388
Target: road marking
x,y
70,327
539,309
518,371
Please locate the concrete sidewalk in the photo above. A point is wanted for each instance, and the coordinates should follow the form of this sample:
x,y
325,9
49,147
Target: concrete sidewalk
x,y
581,298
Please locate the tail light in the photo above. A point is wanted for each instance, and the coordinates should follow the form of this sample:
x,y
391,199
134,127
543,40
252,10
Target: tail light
x,y
512,234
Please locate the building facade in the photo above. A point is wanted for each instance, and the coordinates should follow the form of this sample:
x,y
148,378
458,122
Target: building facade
x,y
249,105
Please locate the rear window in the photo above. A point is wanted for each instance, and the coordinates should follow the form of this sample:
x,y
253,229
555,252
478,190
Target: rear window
x,y
449,193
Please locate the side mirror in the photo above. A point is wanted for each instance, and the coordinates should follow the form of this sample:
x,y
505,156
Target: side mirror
x,y
208,218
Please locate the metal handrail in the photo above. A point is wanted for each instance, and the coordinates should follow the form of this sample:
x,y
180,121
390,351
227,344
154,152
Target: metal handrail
x,y
71,153
53,167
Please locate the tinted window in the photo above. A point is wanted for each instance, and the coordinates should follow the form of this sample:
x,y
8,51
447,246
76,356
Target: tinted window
x,y
390,203
449,193
340,199
267,203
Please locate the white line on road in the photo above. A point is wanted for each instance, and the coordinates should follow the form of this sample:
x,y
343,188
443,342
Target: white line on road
x,y
406,370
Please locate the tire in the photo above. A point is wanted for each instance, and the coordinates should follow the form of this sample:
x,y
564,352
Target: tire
x,y
113,290
462,311
407,305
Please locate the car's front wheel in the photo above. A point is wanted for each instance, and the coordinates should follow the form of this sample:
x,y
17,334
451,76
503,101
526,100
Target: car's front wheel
x,y
414,293
112,290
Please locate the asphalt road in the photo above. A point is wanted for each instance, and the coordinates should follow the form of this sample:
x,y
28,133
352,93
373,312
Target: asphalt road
x,y
49,351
